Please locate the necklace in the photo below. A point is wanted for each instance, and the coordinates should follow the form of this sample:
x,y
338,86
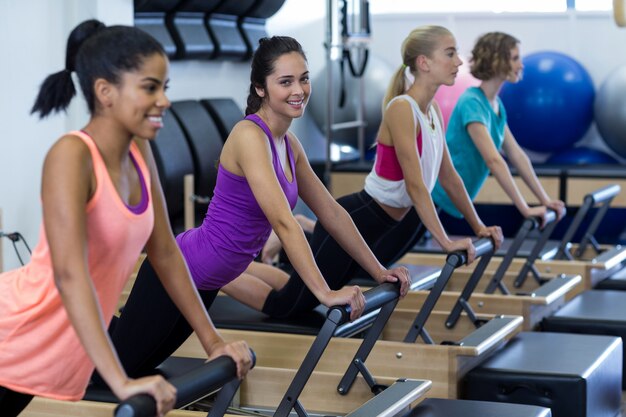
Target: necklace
x,y
431,120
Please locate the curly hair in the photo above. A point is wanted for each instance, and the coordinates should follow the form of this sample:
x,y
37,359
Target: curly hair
x,y
491,55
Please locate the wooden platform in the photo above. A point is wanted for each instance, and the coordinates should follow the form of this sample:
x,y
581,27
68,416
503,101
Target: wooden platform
x,y
262,388
444,365
592,268
533,306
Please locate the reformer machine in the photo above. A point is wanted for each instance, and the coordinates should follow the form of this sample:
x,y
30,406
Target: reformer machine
x,y
417,356
471,291
260,390
594,265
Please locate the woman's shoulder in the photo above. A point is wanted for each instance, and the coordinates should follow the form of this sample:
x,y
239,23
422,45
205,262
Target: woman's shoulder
x,y
69,146
401,108
401,104
69,156
403,100
472,95
245,129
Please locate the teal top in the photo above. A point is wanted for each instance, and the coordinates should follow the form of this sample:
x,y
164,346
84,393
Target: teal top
x,y
471,107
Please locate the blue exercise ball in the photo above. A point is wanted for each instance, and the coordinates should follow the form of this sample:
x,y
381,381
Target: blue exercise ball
x,y
581,156
610,111
551,108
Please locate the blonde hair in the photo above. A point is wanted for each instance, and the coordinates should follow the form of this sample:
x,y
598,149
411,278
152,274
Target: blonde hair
x,y
421,41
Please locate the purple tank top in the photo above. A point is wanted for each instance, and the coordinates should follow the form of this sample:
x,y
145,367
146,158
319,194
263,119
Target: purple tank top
x,y
235,228
143,204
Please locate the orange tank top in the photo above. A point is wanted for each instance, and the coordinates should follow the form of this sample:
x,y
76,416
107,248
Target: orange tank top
x,y
40,353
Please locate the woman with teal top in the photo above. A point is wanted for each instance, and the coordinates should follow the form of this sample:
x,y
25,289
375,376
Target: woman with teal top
x,y
478,132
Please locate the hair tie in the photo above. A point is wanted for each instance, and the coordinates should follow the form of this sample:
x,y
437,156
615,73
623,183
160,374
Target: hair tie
x,y
409,78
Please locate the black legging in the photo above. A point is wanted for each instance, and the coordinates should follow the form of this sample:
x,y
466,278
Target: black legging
x,y
12,403
150,327
389,240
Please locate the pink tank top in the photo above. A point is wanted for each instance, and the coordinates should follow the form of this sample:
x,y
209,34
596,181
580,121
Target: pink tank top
x,y
387,164
40,353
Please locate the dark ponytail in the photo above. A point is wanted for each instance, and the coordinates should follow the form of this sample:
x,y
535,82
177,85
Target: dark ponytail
x,y
58,89
94,51
269,50
254,101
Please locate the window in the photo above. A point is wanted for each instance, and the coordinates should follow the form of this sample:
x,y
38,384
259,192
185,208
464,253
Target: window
x,y
590,5
450,6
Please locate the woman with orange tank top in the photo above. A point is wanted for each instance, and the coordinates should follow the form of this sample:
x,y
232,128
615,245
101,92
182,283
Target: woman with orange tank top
x,y
102,204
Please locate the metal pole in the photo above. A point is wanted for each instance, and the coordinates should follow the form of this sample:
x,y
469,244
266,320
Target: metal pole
x,y
331,9
360,113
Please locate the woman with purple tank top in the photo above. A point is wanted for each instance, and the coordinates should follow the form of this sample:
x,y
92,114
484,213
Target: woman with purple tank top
x,y
394,208
262,171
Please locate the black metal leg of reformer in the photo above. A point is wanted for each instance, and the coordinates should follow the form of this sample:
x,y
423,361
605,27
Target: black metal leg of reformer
x,y
417,328
383,297
224,399
462,303
588,237
563,250
603,195
529,263
454,260
496,279
299,409
290,399
358,362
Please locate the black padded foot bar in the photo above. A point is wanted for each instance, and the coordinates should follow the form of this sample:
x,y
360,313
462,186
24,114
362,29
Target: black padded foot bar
x,y
193,378
228,313
200,380
423,277
522,245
